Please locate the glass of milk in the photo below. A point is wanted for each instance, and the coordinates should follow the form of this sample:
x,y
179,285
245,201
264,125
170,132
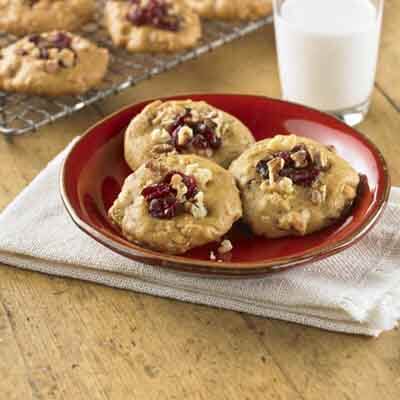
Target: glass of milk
x,y
327,53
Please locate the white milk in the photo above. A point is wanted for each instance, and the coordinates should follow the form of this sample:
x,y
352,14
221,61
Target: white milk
x,y
327,51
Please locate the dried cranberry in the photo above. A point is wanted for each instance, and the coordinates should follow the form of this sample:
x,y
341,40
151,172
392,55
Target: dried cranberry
x,y
157,191
188,180
212,139
34,38
286,157
61,41
155,13
191,185
164,207
204,136
262,169
161,197
199,142
304,177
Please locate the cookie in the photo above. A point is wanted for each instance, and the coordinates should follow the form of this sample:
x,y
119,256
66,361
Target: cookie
x,y
21,17
231,9
152,25
185,127
52,64
176,203
292,185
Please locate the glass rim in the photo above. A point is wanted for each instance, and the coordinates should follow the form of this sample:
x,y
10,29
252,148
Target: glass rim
x,y
277,14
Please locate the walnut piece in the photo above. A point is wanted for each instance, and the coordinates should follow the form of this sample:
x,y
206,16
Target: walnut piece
x,y
66,57
179,186
184,135
202,175
198,209
274,167
300,158
162,148
321,160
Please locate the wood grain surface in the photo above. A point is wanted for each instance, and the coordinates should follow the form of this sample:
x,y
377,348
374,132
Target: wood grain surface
x,y
65,339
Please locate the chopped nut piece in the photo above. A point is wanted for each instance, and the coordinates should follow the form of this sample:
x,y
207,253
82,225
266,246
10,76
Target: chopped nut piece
x,y
184,135
160,135
274,166
198,208
212,114
162,148
67,58
29,46
321,160
300,158
179,186
202,175
225,247
195,115
35,52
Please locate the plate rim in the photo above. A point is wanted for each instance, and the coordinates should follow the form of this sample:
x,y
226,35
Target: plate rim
x,y
208,267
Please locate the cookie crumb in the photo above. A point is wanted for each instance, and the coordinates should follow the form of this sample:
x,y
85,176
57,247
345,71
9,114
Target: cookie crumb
x,y
225,246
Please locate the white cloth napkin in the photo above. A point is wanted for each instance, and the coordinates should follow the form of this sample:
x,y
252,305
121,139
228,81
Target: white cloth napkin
x,y
357,291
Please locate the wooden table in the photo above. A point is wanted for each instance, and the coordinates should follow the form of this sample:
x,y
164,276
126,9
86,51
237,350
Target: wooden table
x,y
65,339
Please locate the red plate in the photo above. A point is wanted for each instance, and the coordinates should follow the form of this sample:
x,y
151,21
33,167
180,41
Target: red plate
x,y
94,171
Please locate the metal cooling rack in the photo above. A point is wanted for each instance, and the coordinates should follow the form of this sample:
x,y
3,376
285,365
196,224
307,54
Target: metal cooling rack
x,y
20,113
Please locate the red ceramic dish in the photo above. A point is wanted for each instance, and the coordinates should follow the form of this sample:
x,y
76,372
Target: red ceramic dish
x,y
94,170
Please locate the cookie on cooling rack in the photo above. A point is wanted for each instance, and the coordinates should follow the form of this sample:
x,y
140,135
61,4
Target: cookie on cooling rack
x,y
176,203
152,25
185,127
21,17
53,64
231,9
292,185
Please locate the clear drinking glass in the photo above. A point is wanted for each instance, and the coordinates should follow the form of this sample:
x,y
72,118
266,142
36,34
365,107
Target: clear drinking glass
x,y
327,53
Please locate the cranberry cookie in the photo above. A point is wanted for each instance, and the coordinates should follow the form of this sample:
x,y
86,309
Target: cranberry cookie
x,y
292,185
231,9
152,25
177,202
22,17
185,126
52,64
